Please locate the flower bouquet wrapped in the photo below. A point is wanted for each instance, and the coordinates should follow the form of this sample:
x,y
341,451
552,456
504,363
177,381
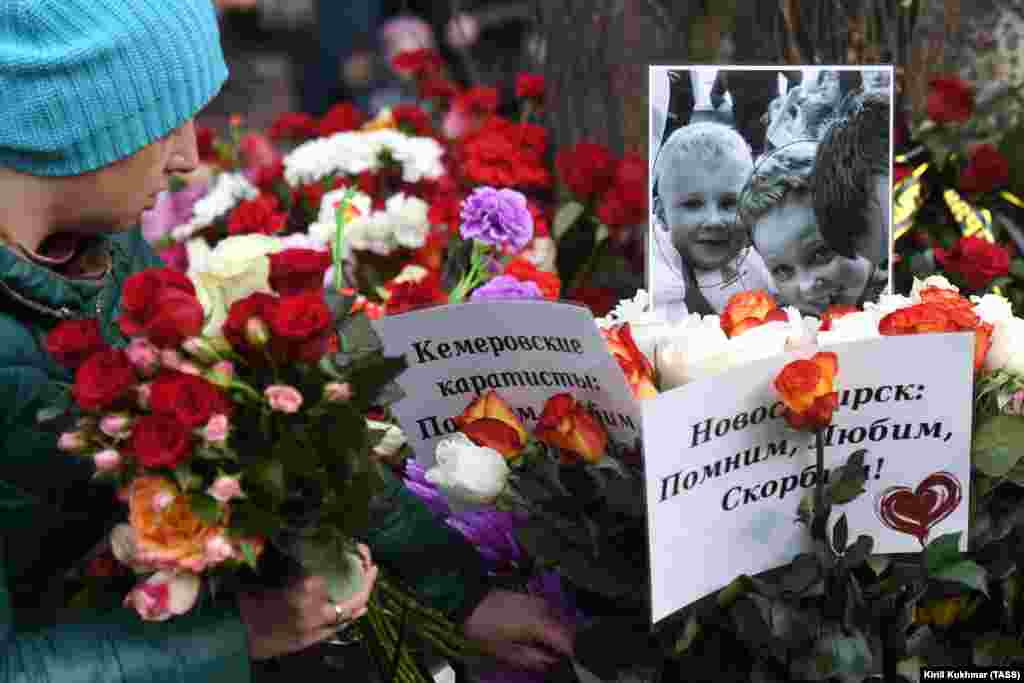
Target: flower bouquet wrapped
x,y
230,438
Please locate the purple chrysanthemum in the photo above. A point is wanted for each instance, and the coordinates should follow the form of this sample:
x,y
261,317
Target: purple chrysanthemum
x,y
497,217
507,287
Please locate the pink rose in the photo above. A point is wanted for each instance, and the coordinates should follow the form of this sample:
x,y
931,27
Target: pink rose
x,y
218,549
336,392
225,488
164,595
116,426
283,399
107,460
217,429
72,442
143,356
175,361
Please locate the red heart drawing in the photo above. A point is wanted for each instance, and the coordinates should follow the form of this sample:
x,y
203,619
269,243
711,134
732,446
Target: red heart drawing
x,y
916,511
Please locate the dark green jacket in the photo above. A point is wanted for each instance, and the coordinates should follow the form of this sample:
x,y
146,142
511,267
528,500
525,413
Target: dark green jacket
x,y
51,515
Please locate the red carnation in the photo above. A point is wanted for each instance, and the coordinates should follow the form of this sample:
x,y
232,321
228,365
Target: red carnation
x,y
976,260
524,271
257,216
103,380
205,138
293,126
341,118
587,169
436,88
600,300
410,296
161,305
412,119
160,441
478,101
417,62
267,177
530,86
950,100
71,342
190,400
986,170
295,271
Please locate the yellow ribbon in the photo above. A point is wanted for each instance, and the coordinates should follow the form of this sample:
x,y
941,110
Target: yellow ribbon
x,y
972,221
906,200
1012,199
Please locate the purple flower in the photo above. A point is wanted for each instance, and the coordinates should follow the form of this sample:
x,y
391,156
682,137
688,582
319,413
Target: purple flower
x,y
507,287
497,217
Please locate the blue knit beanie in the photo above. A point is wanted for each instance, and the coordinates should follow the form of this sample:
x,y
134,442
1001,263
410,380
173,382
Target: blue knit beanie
x,y
84,83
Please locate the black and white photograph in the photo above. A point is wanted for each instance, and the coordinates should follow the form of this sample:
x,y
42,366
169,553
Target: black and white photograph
x,y
769,178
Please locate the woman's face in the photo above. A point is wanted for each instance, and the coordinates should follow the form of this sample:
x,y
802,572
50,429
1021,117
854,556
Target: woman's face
x,y
807,273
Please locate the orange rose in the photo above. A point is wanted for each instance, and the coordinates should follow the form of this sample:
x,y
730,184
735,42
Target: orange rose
x,y
942,310
749,309
491,432
167,534
491,406
566,424
807,389
635,365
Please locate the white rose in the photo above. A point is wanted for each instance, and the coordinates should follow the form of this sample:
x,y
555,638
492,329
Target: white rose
x,y
237,267
930,281
466,473
1007,351
850,328
992,308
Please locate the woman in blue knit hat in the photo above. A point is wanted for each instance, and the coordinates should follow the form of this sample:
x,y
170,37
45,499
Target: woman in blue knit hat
x,y
98,101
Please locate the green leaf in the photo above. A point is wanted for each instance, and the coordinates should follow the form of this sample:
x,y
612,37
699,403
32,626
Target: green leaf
x,y
840,534
575,249
996,446
205,507
859,552
690,634
943,552
249,554
359,334
565,218
267,474
207,452
739,587
1017,268
186,478
879,563
248,519
966,572
339,304
848,481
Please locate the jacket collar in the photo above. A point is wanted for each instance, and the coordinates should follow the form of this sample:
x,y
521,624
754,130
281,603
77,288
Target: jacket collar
x,y
47,292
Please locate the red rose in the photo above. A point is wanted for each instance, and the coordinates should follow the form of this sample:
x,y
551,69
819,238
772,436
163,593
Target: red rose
x,y
257,150
293,126
190,400
950,100
267,177
524,271
71,342
341,118
586,168
530,86
417,62
302,326
600,300
986,170
258,305
436,88
479,100
412,119
257,216
160,304
103,379
160,441
977,261
294,271
205,139
623,206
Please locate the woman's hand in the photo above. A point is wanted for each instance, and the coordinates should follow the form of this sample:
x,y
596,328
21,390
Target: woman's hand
x,y
291,619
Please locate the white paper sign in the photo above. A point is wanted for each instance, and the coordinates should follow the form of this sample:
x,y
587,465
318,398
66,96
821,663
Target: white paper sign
x,y
725,474
527,351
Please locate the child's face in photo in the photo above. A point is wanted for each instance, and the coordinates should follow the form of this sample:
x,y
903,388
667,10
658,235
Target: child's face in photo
x,y
807,273
700,200
873,244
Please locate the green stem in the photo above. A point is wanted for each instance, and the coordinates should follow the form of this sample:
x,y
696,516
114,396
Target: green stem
x,y
339,236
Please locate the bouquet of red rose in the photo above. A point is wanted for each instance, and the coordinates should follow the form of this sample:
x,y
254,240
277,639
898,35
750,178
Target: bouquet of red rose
x,y
221,444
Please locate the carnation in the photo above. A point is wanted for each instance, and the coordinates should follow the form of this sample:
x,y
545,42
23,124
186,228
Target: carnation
x,y
227,191
507,287
356,152
497,217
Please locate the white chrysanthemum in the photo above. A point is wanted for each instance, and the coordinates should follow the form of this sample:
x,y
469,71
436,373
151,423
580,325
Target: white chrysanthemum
x,y
420,159
354,152
409,220
228,190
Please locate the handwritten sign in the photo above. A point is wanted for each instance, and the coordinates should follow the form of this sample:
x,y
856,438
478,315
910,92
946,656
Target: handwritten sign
x,y
527,351
725,474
